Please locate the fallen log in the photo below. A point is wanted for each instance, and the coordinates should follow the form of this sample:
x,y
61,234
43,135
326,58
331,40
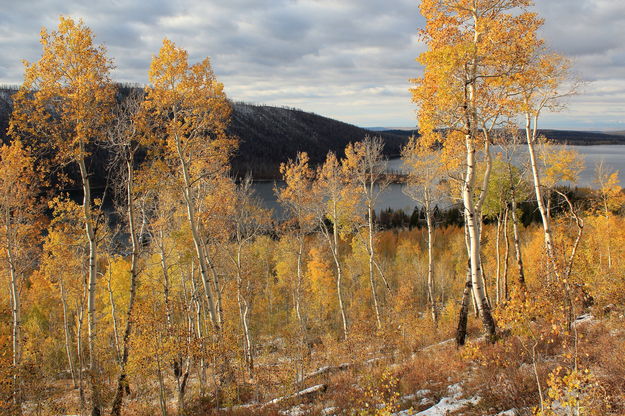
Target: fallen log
x,y
303,394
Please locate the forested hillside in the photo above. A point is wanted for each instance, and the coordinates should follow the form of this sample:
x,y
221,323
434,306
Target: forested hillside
x,y
267,136
270,135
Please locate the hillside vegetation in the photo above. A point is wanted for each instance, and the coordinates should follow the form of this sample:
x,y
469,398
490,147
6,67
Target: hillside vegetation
x,y
195,300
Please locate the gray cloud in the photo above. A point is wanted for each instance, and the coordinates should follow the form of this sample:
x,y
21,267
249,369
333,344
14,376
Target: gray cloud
x,y
348,59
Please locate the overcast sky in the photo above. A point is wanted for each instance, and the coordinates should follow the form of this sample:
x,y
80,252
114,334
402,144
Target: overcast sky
x,y
345,59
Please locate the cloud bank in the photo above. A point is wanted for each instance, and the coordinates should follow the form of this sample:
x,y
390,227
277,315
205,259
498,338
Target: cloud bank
x,y
347,59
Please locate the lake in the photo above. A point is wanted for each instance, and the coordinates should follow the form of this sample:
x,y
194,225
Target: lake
x,y
613,156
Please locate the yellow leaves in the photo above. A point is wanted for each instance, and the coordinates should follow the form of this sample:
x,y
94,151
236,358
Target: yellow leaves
x,y
320,274
67,96
20,180
477,58
571,392
189,105
609,192
562,164
381,395
297,194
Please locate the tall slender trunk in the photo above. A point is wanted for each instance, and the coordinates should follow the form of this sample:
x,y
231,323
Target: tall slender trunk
x,y
334,248
118,354
122,380
467,295
67,333
217,285
473,210
371,249
197,242
463,316
530,134
165,271
474,241
91,300
506,257
297,295
15,314
79,345
199,333
517,240
244,313
498,262
430,227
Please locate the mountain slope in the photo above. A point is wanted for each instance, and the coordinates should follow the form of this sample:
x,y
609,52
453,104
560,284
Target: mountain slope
x,y
271,135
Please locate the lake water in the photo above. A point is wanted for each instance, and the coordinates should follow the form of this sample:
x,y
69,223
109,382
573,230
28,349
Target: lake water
x,y
613,156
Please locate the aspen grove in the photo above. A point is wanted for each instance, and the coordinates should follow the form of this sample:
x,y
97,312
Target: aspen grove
x,y
168,287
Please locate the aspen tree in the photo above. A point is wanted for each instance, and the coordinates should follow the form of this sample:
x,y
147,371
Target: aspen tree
x,y
125,138
247,222
426,171
365,166
188,104
65,103
19,226
473,52
541,85
297,197
610,198
337,202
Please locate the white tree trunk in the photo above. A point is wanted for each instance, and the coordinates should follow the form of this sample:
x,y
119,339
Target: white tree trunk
x,y
91,300
530,133
430,227
15,314
371,249
67,333
197,242
334,248
122,381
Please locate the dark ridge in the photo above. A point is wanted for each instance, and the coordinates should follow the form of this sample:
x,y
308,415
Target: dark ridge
x,y
271,135
268,136
582,138
401,133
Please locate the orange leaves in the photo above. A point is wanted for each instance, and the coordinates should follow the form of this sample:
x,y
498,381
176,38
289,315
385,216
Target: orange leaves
x,y
188,106
66,99
476,49
297,194
337,195
561,165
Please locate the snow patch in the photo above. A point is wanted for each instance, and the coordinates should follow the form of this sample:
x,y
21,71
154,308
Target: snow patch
x,y
446,405
417,395
583,319
511,412
298,410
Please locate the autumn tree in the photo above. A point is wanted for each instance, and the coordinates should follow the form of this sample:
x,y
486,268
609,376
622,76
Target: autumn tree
x,y
540,87
246,223
63,265
336,214
473,51
425,174
65,104
365,165
609,199
126,138
188,106
298,199
505,189
20,225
